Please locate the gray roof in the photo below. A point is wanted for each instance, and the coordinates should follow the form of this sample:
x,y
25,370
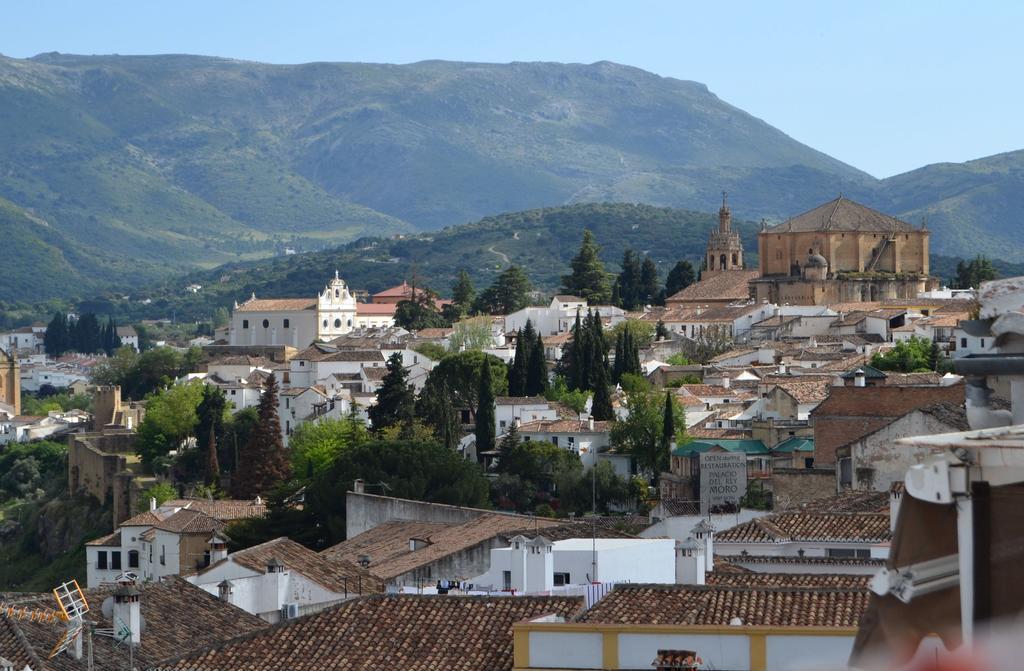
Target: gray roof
x,y
842,214
977,328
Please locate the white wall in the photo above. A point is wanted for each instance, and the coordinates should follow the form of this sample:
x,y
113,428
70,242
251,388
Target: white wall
x,y
264,594
679,527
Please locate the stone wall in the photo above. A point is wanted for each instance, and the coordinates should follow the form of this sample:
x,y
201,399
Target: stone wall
x,y
98,467
793,486
365,511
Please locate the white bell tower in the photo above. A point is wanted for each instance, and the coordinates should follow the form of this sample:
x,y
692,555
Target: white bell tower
x,y
336,309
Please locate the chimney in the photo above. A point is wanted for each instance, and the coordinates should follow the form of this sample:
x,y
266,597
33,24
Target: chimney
x,y
590,423
704,533
152,503
224,590
540,566
359,486
127,612
859,379
518,568
271,595
218,549
782,368
895,498
690,562
725,380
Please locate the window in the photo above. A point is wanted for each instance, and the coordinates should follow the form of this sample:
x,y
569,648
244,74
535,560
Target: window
x,y
848,553
163,555
325,323
808,462
287,324
245,323
983,343
571,441
337,293
302,364
266,323
506,579
963,343
502,424
232,392
554,440
350,322
562,579
115,561
101,559
133,559
337,323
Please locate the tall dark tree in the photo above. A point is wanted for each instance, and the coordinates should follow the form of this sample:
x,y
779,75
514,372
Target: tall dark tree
x,y
463,293
264,463
572,361
517,373
485,410
588,279
601,407
57,340
681,276
628,283
210,430
974,272
668,427
111,341
649,291
509,292
537,368
419,311
619,357
86,336
395,398
596,354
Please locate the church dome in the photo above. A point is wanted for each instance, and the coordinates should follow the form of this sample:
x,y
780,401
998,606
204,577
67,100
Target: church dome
x,y
817,261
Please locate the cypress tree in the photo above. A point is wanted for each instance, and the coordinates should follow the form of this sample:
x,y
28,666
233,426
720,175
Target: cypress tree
x,y
575,356
485,410
264,462
55,340
668,427
598,357
211,427
517,371
395,399
588,278
619,356
648,289
537,370
629,282
601,407
447,429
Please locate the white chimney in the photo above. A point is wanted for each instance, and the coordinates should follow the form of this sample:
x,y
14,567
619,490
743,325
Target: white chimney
x,y
540,566
271,594
224,590
782,368
127,612
859,379
218,549
518,568
590,423
152,503
725,380
359,486
704,533
690,562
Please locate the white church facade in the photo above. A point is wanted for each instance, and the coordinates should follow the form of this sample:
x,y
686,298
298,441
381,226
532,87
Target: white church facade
x,y
299,322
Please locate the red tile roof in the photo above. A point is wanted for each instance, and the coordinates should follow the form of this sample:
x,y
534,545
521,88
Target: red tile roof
x,y
752,579
277,305
811,527
412,633
724,286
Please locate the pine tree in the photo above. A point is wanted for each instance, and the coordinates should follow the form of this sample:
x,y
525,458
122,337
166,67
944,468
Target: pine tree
x,y
507,448
588,279
681,276
668,427
463,293
517,370
55,341
575,357
485,410
628,283
395,399
648,290
537,369
601,407
264,463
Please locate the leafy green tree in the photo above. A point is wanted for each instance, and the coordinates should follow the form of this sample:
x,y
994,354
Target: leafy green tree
x,y
171,418
536,368
473,333
421,471
649,290
910,356
642,432
679,359
559,391
221,317
974,272
485,421
681,276
419,311
509,292
588,279
264,464
431,350
161,491
315,445
395,398
628,282
461,374
57,338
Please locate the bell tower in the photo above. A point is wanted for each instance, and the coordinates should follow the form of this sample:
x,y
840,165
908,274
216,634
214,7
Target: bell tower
x,y
336,309
725,249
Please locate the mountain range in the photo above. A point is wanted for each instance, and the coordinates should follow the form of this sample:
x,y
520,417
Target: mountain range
x,y
120,170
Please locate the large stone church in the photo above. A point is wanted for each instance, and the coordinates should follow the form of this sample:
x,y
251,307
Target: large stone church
x,y
10,384
841,252
299,322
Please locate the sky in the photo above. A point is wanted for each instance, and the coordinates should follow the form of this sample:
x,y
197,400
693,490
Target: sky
x,y
884,86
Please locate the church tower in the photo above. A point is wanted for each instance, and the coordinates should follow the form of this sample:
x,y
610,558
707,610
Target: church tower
x,y
336,309
725,250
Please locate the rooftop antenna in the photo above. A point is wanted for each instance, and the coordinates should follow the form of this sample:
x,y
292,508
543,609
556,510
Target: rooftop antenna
x,y
73,607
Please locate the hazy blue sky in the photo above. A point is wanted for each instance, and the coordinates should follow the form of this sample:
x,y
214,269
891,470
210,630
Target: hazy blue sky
x,y
885,86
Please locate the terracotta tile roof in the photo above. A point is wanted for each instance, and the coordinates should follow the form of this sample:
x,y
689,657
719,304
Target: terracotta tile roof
x,y
434,333
951,414
110,540
225,510
732,353
371,373
803,388
566,298
277,305
705,432
843,308
15,648
883,401
179,617
811,527
850,501
725,286
564,426
388,544
913,379
809,562
677,507
412,633
146,518
842,214
718,605
337,575
320,352
752,579
376,308
187,521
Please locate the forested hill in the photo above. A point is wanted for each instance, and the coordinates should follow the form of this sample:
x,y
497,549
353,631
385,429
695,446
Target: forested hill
x,y
542,241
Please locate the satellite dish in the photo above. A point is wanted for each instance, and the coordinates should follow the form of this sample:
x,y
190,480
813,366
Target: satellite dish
x,y
108,607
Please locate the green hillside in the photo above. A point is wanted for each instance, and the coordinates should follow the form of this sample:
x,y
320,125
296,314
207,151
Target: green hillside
x,y
542,241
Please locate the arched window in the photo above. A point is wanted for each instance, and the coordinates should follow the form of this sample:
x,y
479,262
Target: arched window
x,y
133,559
722,262
735,259
336,293
350,322
325,323
337,323
266,323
